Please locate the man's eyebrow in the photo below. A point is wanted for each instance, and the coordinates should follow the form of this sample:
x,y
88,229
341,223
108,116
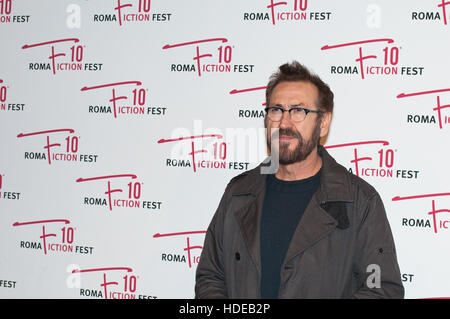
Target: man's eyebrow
x,y
290,105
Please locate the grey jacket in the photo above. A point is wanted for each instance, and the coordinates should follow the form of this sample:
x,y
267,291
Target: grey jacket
x,y
342,247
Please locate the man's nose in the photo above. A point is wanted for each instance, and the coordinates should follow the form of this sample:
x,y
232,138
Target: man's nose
x,y
285,120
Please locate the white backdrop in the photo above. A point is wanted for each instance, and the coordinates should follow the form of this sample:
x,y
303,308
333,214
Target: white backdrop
x,y
121,122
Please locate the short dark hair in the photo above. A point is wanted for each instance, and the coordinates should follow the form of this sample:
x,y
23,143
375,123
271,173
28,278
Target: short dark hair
x,y
293,72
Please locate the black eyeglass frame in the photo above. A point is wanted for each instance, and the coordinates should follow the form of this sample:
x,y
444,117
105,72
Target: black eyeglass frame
x,y
267,109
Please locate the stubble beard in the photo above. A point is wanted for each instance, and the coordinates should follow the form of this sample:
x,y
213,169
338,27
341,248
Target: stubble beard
x,y
301,150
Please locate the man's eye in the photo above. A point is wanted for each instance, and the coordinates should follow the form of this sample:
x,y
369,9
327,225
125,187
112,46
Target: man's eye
x,y
298,110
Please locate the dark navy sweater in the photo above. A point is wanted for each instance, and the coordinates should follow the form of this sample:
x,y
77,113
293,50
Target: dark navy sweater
x,y
284,205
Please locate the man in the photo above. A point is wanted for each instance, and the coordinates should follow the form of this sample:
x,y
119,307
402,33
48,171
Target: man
x,y
312,229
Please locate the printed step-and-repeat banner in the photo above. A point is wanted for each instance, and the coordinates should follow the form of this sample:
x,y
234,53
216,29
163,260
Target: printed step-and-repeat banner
x,y
122,121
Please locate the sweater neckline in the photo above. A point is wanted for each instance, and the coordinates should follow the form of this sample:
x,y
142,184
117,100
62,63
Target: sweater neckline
x,y
302,185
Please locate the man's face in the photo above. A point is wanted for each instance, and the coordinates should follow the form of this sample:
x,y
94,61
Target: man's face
x,y
297,140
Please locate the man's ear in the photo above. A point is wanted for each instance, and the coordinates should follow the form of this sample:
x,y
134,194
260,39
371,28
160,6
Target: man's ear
x,y
325,124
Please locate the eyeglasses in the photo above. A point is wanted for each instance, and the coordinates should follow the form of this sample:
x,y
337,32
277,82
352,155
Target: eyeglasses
x,y
297,114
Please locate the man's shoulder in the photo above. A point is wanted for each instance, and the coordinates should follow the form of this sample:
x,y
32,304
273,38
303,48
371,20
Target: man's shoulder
x,y
342,180
367,189
245,180
240,176
354,181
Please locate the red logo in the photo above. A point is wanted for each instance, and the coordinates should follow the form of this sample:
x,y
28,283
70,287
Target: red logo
x,y
246,112
374,162
433,15
131,189
138,98
68,59
66,150
384,62
6,11
124,282
191,257
440,218
219,151
64,237
143,9
132,12
442,5
259,88
4,106
294,10
442,119
125,101
287,11
218,57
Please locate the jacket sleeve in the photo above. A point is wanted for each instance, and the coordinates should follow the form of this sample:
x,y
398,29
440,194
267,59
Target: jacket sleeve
x,y
210,279
376,262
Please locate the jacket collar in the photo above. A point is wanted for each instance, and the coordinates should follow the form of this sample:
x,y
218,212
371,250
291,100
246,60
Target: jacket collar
x,y
334,186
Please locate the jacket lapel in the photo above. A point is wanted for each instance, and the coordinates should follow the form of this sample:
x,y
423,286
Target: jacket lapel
x,y
252,192
248,218
314,225
326,210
